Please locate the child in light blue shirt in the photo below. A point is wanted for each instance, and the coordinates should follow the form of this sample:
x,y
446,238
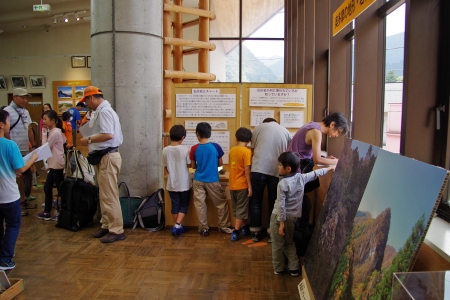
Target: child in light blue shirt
x,y
11,162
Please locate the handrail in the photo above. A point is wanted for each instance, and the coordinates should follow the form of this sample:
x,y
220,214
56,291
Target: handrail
x,y
189,75
183,42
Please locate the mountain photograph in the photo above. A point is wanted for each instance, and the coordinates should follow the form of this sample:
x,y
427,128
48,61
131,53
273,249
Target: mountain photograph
x,y
387,225
335,221
361,272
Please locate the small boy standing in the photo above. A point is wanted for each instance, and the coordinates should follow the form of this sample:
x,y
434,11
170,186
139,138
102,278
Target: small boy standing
x,y
206,157
176,163
288,207
67,126
11,161
240,159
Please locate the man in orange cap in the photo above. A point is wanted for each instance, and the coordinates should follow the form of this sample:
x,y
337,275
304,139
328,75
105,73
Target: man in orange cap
x,y
107,136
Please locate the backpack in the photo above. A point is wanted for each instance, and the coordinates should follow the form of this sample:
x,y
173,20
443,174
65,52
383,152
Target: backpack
x,y
150,214
83,170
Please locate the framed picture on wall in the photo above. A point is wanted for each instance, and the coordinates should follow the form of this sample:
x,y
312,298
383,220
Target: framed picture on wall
x,y
89,61
3,83
79,90
18,81
65,92
37,81
78,61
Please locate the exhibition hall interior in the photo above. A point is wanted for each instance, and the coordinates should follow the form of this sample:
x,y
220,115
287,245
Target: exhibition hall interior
x,y
376,226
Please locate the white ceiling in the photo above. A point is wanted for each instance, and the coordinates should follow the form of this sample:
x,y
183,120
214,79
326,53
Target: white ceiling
x,y
18,16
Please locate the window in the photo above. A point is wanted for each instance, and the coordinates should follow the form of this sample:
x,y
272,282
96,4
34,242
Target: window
x,y
393,79
352,78
249,38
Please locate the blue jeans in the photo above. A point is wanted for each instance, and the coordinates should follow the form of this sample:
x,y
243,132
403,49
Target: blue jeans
x,y
259,182
10,220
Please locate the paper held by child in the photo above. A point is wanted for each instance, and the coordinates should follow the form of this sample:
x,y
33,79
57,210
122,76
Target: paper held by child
x,y
43,153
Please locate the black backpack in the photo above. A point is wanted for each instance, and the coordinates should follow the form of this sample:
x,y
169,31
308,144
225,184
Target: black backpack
x,y
150,214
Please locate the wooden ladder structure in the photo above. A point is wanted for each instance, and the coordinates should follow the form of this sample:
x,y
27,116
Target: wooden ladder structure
x,y
200,47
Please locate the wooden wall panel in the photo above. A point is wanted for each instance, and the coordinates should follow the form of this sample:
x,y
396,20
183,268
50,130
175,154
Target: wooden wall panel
x,y
420,81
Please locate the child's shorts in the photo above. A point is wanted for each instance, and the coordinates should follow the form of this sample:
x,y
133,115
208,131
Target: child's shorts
x,y
239,202
180,202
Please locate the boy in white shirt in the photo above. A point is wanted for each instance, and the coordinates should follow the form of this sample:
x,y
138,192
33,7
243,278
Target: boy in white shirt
x,y
176,163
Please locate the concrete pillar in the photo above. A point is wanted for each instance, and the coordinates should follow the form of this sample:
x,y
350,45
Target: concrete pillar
x,y
126,47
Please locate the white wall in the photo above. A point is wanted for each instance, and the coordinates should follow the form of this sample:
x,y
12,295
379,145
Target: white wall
x,y
44,53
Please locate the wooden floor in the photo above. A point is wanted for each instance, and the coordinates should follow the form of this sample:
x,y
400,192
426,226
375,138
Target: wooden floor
x,y
59,264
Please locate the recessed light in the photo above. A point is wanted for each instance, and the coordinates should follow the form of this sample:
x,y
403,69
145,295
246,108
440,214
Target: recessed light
x,y
24,26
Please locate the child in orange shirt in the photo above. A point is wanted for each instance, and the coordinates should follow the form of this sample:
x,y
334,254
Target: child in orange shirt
x,y
67,126
240,160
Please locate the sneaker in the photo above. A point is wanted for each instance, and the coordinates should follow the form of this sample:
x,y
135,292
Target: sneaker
x,y
278,272
174,231
181,230
294,273
234,235
7,265
31,198
37,187
28,205
23,212
256,236
112,237
44,216
226,230
55,218
204,232
245,231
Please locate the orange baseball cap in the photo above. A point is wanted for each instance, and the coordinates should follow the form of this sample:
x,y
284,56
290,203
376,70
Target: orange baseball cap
x,y
89,91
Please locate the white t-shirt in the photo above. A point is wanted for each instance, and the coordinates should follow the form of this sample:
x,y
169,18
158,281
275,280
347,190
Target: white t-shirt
x,y
176,159
105,120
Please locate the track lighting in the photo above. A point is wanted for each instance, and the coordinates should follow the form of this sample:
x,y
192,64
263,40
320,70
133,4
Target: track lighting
x,y
65,16
55,18
77,14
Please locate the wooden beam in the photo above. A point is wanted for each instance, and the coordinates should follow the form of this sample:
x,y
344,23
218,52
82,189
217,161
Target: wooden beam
x,y
178,50
189,75
190,80
203,36
190,11
190,51
192,43
190,23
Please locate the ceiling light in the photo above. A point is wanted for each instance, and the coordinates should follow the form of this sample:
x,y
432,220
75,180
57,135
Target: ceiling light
x,y
55,20
66,19
77,14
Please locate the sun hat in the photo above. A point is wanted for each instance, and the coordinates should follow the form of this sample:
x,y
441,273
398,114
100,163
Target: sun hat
x,y
21,92
89,91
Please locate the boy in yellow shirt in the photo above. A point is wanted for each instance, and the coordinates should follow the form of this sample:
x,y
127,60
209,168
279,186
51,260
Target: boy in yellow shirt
x,y
240,160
